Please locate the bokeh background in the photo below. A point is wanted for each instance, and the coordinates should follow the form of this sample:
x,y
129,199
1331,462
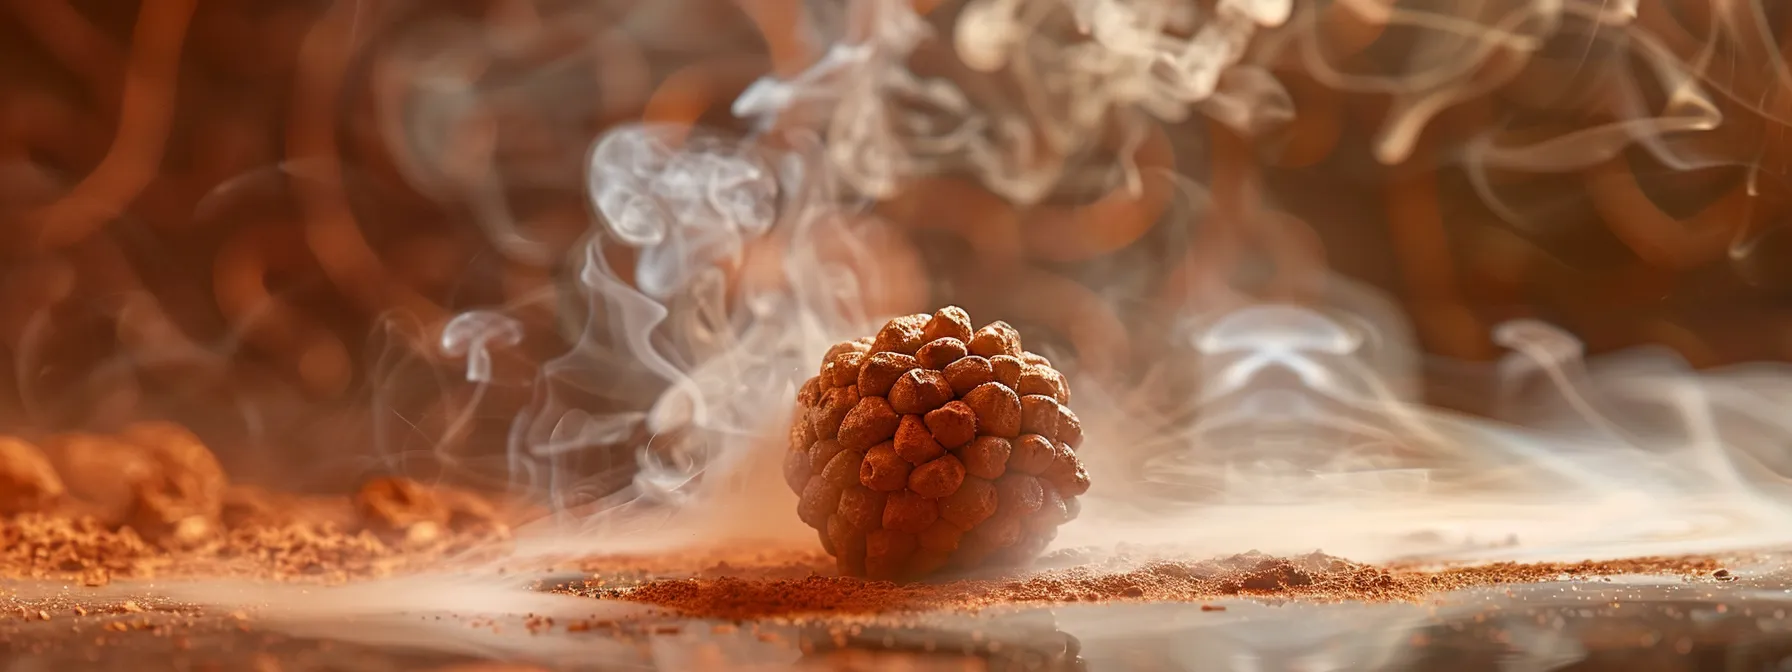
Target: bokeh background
x,y
254,216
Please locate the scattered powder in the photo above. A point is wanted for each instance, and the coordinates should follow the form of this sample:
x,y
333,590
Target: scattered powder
x,y
35,546
739,561
41,546
394,525
305,546
1313,577
151,501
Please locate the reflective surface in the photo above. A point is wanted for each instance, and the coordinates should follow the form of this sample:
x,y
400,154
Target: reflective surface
x,y
1737,622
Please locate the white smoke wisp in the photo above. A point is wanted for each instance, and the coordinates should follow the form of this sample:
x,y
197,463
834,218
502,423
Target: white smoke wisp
x,y
1124,54
1298,441
1083,69
1592,89
745,266
719,269
725,266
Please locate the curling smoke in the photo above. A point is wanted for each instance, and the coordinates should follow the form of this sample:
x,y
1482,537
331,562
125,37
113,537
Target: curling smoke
x,y
1081,67
724,266
744,266
1297,440
721,267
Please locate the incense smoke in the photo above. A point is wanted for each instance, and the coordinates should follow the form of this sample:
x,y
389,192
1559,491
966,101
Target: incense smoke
x,y
1282,414
1094,171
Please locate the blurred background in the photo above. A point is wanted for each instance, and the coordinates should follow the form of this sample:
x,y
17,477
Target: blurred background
x,y
256,217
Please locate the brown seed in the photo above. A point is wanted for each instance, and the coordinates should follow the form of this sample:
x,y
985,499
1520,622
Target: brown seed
x,y
938,446
1053,511
1007,370
1041,526
1037,380
925,562
879,372
1047,381
910,512
974,551
844,469
948,322
844,369
887,553
1039,415
883,469
966,374
835,404
938,478
1032,543
987,457
1070,428
1067,473
849,545
1019,493
1032,454
869,423
1074,484
919,391
940,353
843,348
953,425
974,554
942,535
902,334
819,500
996,338
862,507
999,531
821,453
802,435
796,470
850,565
915,443
998,409
809,395
972,503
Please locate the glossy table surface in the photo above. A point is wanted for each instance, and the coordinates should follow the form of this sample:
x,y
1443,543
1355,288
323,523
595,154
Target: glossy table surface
x,y
1611,623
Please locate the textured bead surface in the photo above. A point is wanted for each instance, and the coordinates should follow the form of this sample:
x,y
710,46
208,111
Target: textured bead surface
x,y
934,445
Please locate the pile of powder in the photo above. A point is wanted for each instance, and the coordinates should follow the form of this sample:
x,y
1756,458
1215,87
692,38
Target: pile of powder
x,y
738,561
152,500
1315,577
38,546
264,536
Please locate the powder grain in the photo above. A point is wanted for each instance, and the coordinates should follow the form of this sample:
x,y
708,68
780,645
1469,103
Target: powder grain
x,y
1313,577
